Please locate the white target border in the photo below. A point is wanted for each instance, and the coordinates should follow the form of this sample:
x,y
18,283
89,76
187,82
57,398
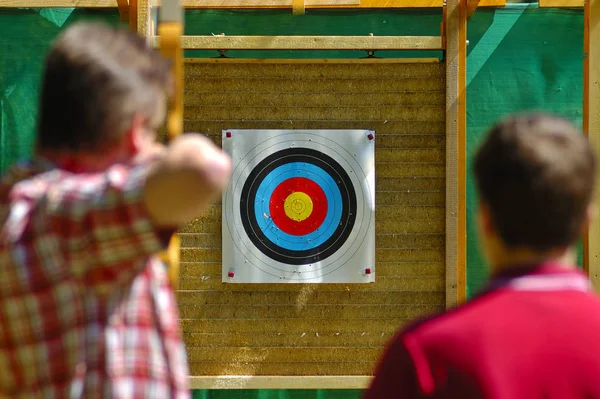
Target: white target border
x,y
354,262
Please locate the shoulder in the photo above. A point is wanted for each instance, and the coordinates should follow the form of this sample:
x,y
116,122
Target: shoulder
x,y
455,316
450,333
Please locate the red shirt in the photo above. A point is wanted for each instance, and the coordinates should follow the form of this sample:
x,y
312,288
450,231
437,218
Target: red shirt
x,y
86,309
534,334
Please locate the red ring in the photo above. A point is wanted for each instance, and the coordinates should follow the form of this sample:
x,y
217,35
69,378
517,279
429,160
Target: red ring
x,y
277,209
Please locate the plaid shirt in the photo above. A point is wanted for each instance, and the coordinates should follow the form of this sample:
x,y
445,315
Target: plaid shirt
x,y
86,309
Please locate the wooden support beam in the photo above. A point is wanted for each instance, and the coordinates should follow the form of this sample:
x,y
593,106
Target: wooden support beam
x,y
456,209
298,7
277,382
309,42
144,24
296,61
561,3
195,4
133,15
591,126
471,7
123,6
263,3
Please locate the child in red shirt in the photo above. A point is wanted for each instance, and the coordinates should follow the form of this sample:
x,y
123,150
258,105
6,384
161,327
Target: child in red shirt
x,y
533,331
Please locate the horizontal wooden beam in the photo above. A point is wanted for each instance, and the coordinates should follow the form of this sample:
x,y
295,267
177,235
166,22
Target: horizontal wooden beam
x,y
309,42
218,60
561,3
277,382
185,3
261,3
197,4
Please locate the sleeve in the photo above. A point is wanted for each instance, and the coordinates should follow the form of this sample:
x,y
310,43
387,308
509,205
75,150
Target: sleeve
x,y
103,224
395,376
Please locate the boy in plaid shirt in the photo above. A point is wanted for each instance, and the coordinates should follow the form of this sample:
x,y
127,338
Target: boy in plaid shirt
x,y
86,309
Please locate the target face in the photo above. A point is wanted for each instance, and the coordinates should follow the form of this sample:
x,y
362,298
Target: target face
x,y
299,206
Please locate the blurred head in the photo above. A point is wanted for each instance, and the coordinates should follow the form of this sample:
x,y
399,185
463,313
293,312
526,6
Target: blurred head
x,y
104,94
535,176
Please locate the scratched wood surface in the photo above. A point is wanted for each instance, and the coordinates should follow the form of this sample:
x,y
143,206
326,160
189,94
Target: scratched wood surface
x,y
334,329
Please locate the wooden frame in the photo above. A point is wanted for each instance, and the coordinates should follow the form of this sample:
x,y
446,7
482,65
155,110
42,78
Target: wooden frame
x,y
144,23
255,3
312,61
561,3
591,127
284,382
456,210
309,42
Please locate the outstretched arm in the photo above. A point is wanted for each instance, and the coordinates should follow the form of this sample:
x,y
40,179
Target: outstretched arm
x,y
190,174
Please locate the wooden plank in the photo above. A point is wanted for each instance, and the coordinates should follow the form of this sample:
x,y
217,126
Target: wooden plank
x,y
296,61
455,152
195,4
592,124
586,117
277,382
184,3
407,127
266,312
309,42
144,20
123,7
561,3
341,295
420,3
321,72
384,284
249,113
285,340
264,3
267,368
132,14
298,7
471,7
298,326
211,99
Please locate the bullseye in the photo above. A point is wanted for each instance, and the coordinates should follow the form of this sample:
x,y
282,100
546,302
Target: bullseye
x,y
298,206
292,222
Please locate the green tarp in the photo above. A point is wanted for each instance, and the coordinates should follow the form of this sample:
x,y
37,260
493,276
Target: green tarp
x,y
519,58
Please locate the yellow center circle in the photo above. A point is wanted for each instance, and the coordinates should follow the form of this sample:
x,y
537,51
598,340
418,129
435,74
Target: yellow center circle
x,y
298,206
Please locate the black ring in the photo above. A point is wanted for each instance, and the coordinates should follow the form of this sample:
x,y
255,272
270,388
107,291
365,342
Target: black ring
x,y
248,198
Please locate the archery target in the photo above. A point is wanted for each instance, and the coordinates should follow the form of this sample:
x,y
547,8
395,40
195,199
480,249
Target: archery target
x,y
299,206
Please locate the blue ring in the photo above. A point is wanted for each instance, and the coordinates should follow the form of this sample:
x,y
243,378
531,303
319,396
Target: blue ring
x,y
334,206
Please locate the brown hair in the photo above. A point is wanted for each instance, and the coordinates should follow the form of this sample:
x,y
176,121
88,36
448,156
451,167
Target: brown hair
x,y
536,173
96,79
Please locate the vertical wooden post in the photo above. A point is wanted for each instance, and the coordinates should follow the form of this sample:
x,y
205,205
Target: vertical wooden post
x,y
298,7
143,24
133,15
456,210
123,7
591,125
